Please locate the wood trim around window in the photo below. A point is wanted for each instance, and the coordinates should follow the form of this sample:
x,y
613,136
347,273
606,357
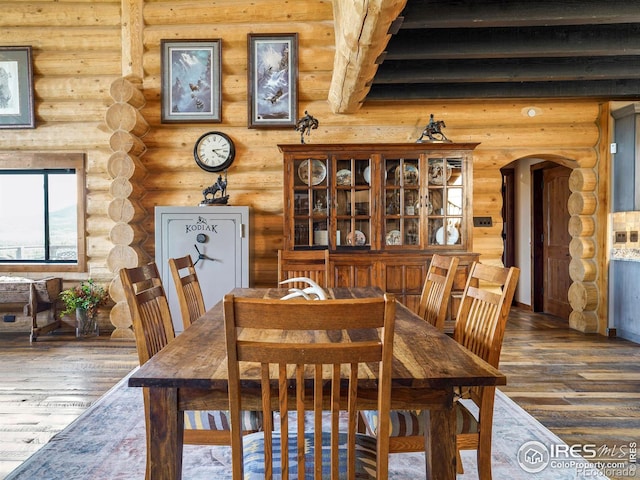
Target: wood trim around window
x,y
40,160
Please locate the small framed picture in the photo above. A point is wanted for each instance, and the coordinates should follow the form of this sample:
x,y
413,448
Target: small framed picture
x,y
273,80
190,90
16,88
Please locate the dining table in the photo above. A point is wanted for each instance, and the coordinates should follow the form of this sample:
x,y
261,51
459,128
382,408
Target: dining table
x,y
190,373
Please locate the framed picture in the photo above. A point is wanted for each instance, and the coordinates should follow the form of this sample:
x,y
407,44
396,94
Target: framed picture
x,y
190,90
273,80
16,88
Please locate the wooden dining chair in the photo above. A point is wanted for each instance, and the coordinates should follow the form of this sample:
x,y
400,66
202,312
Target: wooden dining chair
x,y
480,325
326,372
313,264
153,328
436,290
187,285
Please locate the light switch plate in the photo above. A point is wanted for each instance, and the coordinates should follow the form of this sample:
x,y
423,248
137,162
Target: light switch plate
x,y
621,237
482,221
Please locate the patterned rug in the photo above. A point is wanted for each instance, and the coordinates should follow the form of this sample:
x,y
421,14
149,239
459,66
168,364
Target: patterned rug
x,y
107,442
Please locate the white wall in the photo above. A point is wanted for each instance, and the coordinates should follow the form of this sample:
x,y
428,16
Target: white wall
x,y
523,228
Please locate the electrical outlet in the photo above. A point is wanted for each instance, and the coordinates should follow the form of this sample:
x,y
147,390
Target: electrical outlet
x,y
482,222
633,236
621,237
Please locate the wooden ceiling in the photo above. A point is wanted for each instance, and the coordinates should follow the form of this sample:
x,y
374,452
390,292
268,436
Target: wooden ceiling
x,y
464,49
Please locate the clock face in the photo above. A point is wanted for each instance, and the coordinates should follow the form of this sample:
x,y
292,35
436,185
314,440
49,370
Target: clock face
x,y
214,151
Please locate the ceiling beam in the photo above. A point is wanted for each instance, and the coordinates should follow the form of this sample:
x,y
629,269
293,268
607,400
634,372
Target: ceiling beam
x,y
361,35
606,40
517,13
605,89
507,70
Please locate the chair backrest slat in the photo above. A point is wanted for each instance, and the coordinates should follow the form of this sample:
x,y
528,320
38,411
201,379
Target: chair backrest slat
x,y
484,310
436,290
188,290
313,264
149,309
269,332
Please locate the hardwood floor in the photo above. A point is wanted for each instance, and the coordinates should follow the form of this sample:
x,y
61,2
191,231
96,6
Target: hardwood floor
x,y
585,388
46,385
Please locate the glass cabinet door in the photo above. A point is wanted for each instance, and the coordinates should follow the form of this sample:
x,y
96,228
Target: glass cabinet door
x,y
445,199
395,198
310,202
353,202
401,209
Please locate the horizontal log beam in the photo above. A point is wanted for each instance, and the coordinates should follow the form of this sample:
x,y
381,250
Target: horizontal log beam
x,y
235,11
45,14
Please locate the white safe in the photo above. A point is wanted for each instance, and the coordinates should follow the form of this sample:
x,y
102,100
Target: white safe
x,y
216,237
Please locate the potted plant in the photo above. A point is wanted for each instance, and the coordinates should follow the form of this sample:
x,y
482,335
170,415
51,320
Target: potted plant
x,y
84,300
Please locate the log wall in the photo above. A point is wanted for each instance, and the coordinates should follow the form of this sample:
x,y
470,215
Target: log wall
x,y
135,163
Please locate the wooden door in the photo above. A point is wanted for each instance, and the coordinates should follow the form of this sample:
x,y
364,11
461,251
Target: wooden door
x,y
556,238
509,216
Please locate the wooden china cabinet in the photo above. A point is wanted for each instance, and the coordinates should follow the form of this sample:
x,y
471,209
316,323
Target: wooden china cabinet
x,y
381,210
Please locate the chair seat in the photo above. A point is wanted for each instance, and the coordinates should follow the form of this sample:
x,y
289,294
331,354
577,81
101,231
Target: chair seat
x,y
220,420
253,447
407,423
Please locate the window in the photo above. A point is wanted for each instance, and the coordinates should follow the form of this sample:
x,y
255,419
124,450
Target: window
x,y
42,212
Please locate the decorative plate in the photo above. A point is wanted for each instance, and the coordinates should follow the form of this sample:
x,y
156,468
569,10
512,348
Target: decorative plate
x,y
356,238
452,235
318,172
436,174
343,177
367,175
411,174
394,238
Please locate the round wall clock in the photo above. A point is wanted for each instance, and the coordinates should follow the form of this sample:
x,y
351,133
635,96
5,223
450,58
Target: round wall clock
x,y
214,151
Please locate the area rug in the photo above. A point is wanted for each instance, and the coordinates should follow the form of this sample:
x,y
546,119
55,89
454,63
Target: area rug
x,y
107,442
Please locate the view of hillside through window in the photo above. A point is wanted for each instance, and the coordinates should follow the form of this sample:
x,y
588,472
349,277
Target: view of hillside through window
x,y
38,216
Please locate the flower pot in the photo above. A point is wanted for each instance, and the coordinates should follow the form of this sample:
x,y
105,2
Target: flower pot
x,y
86,324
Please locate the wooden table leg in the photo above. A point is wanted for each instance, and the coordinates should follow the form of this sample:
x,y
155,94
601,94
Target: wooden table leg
x,y
440,443
166,430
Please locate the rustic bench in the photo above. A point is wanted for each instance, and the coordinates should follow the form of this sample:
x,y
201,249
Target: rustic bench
x,y
36,296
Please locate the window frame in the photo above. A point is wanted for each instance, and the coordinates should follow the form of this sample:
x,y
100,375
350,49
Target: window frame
x,y
53,160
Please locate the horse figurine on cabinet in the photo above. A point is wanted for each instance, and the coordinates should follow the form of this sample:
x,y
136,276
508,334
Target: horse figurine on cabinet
x,y
210,193
305,125
433,131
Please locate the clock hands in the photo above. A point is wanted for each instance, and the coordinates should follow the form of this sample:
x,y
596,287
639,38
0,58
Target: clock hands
x,y
201,256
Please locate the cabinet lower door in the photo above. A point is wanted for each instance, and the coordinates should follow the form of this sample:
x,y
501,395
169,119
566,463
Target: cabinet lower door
x,y
353,272
405,281
402,277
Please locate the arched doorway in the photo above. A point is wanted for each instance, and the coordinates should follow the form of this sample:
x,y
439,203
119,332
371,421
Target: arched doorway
x,y
535,231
